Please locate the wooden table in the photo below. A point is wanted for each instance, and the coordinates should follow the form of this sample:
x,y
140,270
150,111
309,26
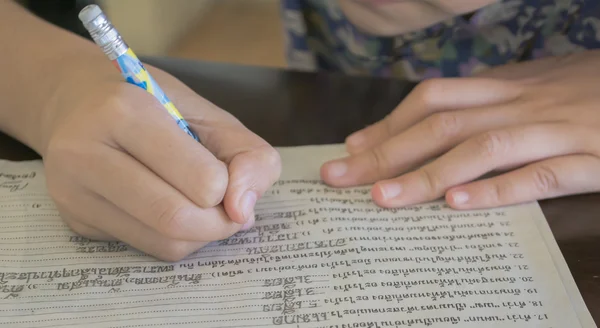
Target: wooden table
x,y
293,108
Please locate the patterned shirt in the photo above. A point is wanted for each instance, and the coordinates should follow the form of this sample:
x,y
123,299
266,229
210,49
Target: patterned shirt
x,y
319,37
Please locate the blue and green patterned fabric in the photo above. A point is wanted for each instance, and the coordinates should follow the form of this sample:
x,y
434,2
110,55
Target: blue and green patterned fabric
x,y
320,37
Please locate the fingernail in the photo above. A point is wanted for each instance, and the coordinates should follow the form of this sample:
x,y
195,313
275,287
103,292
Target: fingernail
x,y
390,190
337,169
356,139
460,197
247,204
249,224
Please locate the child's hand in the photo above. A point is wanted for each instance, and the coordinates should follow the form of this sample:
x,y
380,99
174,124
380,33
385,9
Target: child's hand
x,y
119,167
538,122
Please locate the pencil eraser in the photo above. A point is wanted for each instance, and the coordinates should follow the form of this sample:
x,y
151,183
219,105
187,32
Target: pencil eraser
x,y
88,13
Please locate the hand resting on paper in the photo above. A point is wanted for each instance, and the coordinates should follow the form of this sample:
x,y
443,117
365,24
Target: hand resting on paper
x,y
535,125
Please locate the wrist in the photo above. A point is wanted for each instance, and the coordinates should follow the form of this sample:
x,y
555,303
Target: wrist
x,y
39,69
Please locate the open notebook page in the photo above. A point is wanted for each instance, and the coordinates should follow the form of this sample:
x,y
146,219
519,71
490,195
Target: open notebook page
x,y
318,257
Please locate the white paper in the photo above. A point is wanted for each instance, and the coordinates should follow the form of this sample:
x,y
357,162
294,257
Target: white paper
x,y
318,257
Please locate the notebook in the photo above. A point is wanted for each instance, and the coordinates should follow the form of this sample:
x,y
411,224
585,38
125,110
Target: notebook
x,y
318,257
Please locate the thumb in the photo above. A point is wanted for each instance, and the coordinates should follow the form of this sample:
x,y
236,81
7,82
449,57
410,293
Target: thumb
x,y
252,172
253,165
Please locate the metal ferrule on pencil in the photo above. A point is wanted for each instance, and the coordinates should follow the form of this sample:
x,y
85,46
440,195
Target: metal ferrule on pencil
x,y
105,35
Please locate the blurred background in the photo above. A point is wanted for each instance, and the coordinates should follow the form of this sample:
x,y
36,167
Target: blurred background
x,y
245,32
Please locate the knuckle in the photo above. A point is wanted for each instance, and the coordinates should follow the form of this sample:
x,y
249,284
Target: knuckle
x,y
119,115
273,162
444,125
432,181
170,216
267,158
428,89
115,105
273,158
545,179
497,193
380,161
493,144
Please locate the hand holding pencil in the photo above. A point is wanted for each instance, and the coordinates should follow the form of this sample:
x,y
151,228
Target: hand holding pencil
x,y
118,166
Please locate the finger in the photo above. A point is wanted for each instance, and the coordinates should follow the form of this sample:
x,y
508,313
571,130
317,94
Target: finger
x,y
555,177
252,172
530,71
137,191
252,163
63,193
480,155
96,211
427,139
149,134
431,96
